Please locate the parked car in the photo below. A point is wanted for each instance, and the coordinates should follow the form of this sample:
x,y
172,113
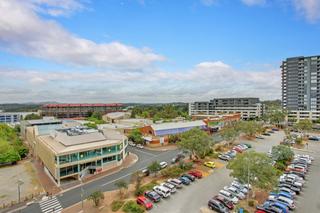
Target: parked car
x,y
248,145
269,208
259,137
266,134
275,129
314,138
224,201
195,173
224,157
170,186
140,146
238,149
287,189
217,206
228,195
132,143
234,191
162,191
282,193
176,182
145,172
177,158
210,164
163,164
190,177
185,180
153,196
231,153
143,201
240,187
283,200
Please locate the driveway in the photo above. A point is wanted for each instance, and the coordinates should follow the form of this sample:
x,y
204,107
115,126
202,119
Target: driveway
x,y
106,183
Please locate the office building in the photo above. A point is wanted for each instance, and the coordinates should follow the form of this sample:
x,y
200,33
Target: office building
x,y
69,153
248,108
13,117
78,110
301,87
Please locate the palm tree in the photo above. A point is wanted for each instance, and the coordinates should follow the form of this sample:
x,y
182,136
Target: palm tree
x,y
122,185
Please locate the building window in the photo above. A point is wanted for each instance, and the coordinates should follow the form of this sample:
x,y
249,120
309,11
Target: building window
x,y
68,170
109,159
108,150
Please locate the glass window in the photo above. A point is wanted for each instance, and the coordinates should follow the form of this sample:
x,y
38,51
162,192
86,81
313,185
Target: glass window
x,y
108,159
110,149
68,170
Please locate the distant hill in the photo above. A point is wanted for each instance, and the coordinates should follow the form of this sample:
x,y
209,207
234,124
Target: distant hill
x,y
13,107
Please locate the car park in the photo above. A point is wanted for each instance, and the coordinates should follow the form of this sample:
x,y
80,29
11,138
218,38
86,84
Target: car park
x,y
283,200
228,195
314,138
163,164
153,196
190,177
217,206
176,182
162,191
143,201
227,203
281,193
272,207
209,164
185,181
195,173
240,187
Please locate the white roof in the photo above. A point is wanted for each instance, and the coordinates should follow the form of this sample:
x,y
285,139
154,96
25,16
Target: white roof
x,y
175,125
115,115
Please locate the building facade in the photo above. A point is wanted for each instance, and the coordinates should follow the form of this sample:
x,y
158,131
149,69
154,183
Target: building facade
x,y
301,87
79,151
13,117
248,108
78,110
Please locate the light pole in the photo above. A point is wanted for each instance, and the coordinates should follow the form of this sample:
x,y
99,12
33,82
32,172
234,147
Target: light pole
x,y
19,182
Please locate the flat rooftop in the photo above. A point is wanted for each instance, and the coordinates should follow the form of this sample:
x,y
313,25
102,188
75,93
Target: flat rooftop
x,y
176,125
43,122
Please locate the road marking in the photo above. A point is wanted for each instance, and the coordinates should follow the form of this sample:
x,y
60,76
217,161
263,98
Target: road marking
x,y
50,205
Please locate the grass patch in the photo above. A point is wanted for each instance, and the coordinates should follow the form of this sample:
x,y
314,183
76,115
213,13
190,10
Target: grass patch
x,y
149,186
132,207
116,205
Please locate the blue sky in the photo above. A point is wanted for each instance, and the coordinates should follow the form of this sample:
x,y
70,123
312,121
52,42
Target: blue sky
x,y
150,50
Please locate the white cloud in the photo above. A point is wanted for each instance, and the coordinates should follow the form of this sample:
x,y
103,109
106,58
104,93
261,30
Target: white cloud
x,y
23,32
308,8
205,81
254,2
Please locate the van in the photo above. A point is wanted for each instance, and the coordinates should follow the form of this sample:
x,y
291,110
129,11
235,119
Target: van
x,y
162,191
229,196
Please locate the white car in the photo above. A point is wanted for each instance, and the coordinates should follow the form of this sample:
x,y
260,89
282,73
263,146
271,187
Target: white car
x,y
131,143
169,186
176,182
140,146
287,201
240,187
163,164
162,191
229,196
235,192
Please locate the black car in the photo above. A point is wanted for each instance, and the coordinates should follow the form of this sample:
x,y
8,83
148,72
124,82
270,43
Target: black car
x,y
190,177
153,196
266,134
217,206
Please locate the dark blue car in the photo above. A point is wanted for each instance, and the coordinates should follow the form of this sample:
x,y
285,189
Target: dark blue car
x,y
185,180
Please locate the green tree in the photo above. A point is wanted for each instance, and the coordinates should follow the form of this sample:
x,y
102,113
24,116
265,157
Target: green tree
x,y
230,133
96,197
255,167
122,186
303,125
172,172
136,136
197,141
276,117
250,128
282,153
91,125
32,116
154,167
132,207
136,178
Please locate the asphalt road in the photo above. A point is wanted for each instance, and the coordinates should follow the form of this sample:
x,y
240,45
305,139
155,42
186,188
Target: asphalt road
x,y
107,183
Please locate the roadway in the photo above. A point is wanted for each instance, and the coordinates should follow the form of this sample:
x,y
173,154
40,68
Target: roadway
x,y
71,197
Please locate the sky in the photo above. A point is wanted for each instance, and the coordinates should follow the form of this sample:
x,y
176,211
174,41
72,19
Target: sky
x,y
150,51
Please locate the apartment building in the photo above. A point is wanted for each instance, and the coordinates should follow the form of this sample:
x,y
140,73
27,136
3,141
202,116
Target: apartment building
x,y
79,151
248,108
301,87
78,110
13,117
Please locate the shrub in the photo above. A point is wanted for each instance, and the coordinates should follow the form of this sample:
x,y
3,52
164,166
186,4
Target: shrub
x,y
251,203
116,205
171,172
186,166
148,186
132,207
96,197
299,140
280,165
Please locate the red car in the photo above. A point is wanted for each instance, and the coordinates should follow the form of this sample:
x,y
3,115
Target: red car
x,y
224,201
143,201
237,149
260,211
195,173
